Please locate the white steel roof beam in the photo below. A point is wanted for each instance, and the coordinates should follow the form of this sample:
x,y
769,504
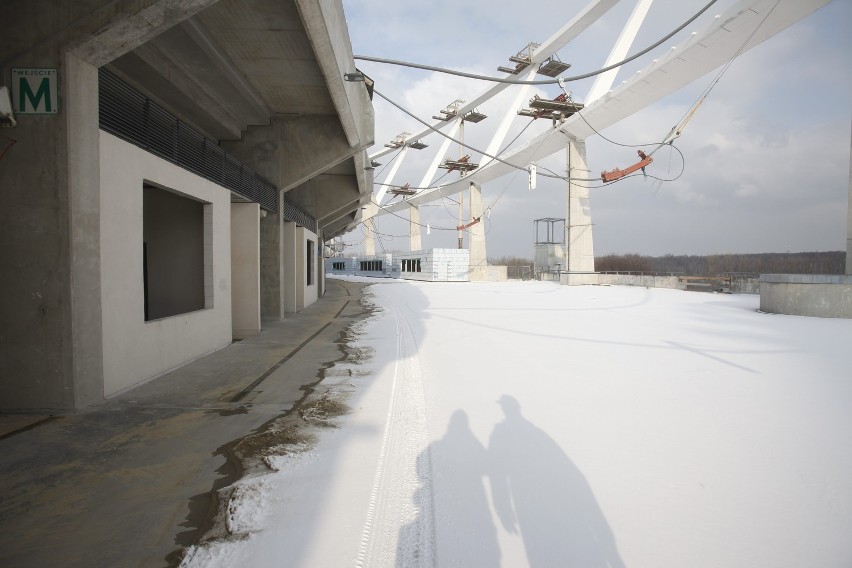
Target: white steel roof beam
x,y
506,123
587,16
701,53
603,82
433,167
389,179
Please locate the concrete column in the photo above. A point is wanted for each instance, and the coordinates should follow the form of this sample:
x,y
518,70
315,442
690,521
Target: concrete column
x,y
414,243
81,82
245,270
50,294
369,238
271,266
478,256
578,223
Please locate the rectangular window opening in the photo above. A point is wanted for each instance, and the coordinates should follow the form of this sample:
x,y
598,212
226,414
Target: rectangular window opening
x,y
176,253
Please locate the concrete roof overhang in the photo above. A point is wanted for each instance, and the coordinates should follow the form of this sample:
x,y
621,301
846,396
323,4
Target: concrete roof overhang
x,y
236,68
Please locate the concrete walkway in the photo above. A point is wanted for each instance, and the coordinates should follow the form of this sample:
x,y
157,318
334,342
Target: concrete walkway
x,y
129,481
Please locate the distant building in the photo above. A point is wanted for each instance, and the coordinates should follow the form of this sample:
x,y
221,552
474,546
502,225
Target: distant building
x,y
434,265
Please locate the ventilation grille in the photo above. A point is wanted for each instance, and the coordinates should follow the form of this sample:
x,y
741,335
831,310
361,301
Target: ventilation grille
x,y
131,116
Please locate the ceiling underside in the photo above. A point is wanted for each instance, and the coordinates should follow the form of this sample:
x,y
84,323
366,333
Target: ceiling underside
x,y
242,64
233,65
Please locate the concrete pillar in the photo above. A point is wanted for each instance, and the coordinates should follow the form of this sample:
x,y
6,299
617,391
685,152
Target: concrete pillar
x,y
81,82
245,270
414,243
578,223
478,256
271,266
50,294
369,237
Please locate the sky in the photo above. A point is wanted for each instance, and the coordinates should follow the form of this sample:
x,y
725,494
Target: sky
x,y
688,430
766,157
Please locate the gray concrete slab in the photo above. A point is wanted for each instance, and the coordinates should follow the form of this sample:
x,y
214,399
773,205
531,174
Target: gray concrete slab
x,y
128,482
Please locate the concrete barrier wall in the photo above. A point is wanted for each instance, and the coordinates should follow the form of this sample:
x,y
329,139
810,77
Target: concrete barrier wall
x,y
646,280
826,296
580,279
498,273
745,285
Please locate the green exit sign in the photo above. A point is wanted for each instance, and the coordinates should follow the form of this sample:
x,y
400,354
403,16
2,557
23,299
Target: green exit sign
x,y
35,91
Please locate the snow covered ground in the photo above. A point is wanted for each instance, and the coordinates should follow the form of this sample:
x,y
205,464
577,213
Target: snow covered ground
x,y
531,424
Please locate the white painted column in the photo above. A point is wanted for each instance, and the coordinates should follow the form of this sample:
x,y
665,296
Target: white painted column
x,y
370,237
414,243
478,256
245,270
578,223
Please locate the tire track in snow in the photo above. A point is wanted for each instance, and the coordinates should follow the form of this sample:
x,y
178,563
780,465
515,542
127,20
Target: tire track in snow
x,y
399,529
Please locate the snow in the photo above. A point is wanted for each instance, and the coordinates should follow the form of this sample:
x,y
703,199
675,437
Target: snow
x,y
532,424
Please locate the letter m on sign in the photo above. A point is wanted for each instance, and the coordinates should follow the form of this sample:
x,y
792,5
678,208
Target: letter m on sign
x,y
35,91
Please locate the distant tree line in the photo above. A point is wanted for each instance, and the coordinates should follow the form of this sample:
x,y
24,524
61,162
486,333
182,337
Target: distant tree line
x,y
510,261
831,262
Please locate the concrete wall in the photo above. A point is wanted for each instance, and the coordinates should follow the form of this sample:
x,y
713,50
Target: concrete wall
x,y
595,279
135,350
498,273
646,280
827,296
579,279
437,265
297,294
745,285
245,269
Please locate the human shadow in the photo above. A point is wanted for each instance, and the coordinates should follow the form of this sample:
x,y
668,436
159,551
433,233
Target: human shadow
x,y
538,492
452,505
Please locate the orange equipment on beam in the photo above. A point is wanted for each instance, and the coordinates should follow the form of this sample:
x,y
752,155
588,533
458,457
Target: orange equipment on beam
x,y
467,225
618,174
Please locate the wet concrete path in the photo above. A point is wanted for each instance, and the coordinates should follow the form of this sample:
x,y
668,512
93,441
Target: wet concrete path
x,y
128,482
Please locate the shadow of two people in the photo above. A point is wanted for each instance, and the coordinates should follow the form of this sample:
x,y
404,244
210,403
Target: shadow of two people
x,y
536,492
